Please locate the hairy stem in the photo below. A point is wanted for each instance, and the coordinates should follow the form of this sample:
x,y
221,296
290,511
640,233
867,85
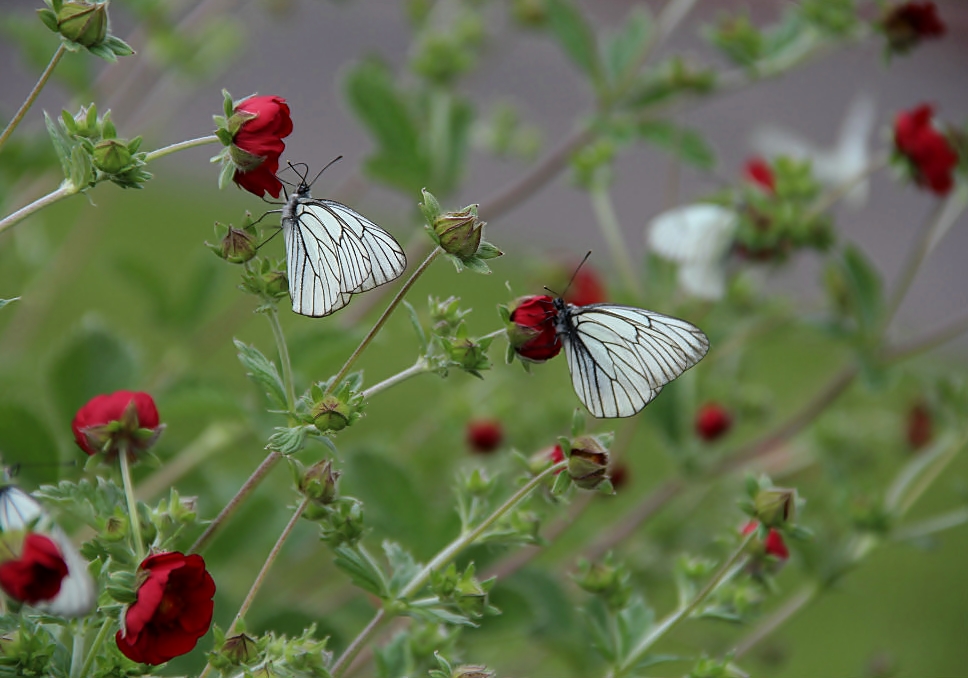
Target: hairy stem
x,y
65,190
273,316
34,93
419,367
133,519
181,146
92,653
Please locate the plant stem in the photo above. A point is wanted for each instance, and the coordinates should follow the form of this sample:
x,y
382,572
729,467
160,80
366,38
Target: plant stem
x,y
273,315
77,649
726,572
418,367
612,232
65,190
401,293
267,464
34,93
181,146
442,558
92,653
133,519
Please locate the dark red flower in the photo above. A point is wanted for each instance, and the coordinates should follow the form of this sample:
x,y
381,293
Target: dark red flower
x,y
586,288
114,420
173,609
758,171
929,154
919,426
484,435
263,123
532,332
773,545
36,574
619,475
907,24
713,421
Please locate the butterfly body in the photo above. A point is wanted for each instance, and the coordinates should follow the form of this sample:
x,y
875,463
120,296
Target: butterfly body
x,y
620,357
334,252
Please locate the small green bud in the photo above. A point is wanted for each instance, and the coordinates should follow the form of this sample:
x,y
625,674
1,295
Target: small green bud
x,y
459,233
469,355
331,414
115,529
10,644
607,579
276,284
319,482
775,506
239,649
83,23
588,462
236,246
112,156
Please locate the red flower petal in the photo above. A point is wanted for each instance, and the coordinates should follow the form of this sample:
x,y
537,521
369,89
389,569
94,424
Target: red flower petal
x,y
533,333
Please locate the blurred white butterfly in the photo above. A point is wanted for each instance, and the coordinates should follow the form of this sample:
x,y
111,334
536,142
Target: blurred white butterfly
x,y
20,512
835,166
620,357
698,237
333,252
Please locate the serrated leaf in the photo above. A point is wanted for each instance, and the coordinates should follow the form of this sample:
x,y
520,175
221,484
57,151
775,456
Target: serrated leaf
x,y
288,441
82,171
361,571
689,145
403,567
263,371
439,615
634,623
476,265
395,659
575,35
627,46
417,327
62,144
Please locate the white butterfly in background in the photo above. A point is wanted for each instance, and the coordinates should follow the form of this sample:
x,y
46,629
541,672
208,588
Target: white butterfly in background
x,y
835,166
333,252
20,512
620,357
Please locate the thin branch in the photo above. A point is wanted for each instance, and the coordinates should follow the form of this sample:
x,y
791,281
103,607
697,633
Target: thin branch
x,y
34,93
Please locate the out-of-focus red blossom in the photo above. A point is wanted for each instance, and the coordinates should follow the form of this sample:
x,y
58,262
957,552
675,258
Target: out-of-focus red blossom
x,y
586,288
773,545
619,475
905,25
484,436
713,421
919,426
172,611
532,332
757,171
106,421
260,136
557,455
930,155
36,574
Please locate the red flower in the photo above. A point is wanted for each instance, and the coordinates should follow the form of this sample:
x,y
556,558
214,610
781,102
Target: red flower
x,y
36,574
712,422
758,171
586,288
619,475
557,455
123,418
919,425
773,545
907,24
484,436
262,122
173,609
928,152
532,332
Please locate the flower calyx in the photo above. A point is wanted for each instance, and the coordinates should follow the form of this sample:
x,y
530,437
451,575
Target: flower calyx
x,y
459,234
236,245
318,482
84,25
587,462
266,279
608,580
334,411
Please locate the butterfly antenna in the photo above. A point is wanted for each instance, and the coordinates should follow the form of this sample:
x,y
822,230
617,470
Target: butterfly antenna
x,y
330,163
575,274
303,174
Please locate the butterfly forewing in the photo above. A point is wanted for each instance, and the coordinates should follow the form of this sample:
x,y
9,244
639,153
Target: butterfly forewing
x,y
386,257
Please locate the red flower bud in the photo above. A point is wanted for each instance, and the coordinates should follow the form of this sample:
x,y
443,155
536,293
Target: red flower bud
x,y
557,455
484,436
713,421
928,153
532,331
36,574
905,25
773,545
919,426
758,171
115,420
260,123
173,609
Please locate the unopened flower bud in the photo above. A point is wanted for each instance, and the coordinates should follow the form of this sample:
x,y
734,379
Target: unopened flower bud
x,y
319,482
459,233
775,506
239,649
115,529
331,414
531,330
83,23
713,421
588,463
237,247
276,283
111,156
607,580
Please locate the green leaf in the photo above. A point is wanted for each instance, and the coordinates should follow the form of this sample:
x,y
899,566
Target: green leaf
x,y
62,144
361,570
575,36
288,441
26,440
627,46
864,287
81,169
263,371
94,361
395,659
403,567
118,46
689,145
417,327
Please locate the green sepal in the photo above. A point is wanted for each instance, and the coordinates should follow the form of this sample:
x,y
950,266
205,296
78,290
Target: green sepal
x,y
562,483
49,19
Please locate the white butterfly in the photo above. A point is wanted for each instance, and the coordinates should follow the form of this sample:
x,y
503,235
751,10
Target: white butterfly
x,y
620,357
20,512
698,238
334,252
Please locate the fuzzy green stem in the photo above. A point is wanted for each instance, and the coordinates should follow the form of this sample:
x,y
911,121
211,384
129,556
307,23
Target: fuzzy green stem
x,y
77,649
419,367
273,315
181,146
612,232
34,93
724,574
92,653
401,293
444,557
133,519
65,190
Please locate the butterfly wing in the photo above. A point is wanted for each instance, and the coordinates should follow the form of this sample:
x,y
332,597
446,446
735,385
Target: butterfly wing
x,y
620,357
387,259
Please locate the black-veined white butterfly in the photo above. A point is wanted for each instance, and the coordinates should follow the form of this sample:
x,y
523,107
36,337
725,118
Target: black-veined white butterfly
x,y
620,356
333,252
20,512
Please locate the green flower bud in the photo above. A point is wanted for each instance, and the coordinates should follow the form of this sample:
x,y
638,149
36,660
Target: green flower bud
x,y
331,414
459,233
319,482
237,247
468,354
276,284
10,644
112,156
588,463
239,649
607,580
775,506
115,529
83,23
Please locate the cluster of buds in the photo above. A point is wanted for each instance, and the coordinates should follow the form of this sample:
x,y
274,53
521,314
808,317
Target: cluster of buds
x,y
318,482
451,344
335,410
236,245
463,590
459,234
588,463
608,580
84,25
266,279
